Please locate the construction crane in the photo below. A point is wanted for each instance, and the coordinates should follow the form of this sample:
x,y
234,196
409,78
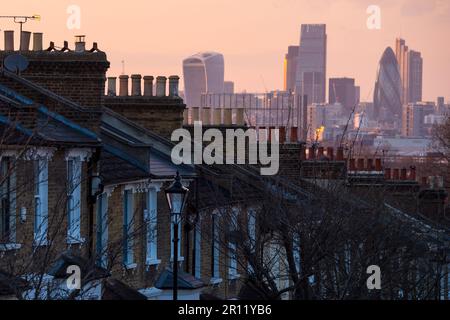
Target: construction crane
x,y
21,20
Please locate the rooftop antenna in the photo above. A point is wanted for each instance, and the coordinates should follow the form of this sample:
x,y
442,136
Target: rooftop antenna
x,y
21,20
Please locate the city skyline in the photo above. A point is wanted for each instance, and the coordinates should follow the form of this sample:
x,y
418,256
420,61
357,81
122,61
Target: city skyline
x,y
250,55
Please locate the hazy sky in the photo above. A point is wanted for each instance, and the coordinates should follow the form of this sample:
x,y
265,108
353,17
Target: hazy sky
x,y
154,36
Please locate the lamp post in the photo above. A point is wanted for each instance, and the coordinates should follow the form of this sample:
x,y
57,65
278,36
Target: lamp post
x,y
176,195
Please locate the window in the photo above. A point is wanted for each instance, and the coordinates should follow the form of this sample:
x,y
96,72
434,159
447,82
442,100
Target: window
x,y
151,216
198,250
74,166
7,201
41,202
102,231
128,258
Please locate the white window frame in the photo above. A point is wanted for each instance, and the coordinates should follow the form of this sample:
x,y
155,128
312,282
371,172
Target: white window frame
x,y
102,230
151,217
74,176
41,202
10,190
128,252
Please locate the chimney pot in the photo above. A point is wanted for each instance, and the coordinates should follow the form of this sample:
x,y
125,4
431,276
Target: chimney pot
x,y
195,114
312,153
330,153
136,85
340,154
123,85
352,165
9,40
240,116
186,116
25,41
282,134
378,165
404,174
361,165
217,114
387,174
320,153
148,86
271,133
370,166
161,86
112,84
396,175
206,116
38,41
173,86
227,117
303,153
412,174
294,135
80,43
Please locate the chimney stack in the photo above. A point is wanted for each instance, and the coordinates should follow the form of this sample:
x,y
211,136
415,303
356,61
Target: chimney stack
x,y
25,41
112,84
123,85
173,86
38,41
136,85
148,86
80,44
9,40
161,86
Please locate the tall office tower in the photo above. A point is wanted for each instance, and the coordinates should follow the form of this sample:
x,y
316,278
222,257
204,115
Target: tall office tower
x,y
343,91
228,87
388,89
440,105
203,73
415,70
290,68
312,63
410,66
413,118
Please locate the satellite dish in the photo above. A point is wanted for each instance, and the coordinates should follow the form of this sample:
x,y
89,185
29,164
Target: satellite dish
x,y
16,63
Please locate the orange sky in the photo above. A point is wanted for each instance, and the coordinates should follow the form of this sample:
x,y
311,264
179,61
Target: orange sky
x,y
154,36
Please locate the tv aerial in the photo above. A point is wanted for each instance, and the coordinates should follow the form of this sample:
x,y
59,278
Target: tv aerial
x,y
16,63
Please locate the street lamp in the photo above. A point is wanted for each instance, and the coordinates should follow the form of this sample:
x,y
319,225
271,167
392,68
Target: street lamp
x,y
176,195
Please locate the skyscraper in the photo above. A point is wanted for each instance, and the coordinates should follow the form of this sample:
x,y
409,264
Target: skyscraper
x,y
228,87
312,63
410,66
203,73
290,68
388,88
343,91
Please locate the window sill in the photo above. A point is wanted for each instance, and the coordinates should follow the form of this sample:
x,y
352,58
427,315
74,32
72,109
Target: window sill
x,y
10,247
180,259
232,277
153,262
130,266
215,281
74,241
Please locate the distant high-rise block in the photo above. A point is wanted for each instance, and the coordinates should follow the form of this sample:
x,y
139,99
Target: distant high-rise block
x,y
413,119
388,88
203,73
290,68
343,91
228,87
410,67
312,63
